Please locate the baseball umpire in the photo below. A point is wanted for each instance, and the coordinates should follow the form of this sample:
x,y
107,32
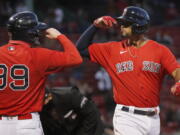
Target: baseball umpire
x,y
23,72
67,112
136,66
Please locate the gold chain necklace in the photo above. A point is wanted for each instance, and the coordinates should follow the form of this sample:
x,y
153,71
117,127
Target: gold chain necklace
x,y
135,56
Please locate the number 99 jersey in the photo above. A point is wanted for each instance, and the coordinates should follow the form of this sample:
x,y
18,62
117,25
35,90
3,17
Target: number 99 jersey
x,y
23,71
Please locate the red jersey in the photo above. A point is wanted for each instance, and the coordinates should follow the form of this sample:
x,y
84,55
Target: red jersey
x,y
23,71
136,73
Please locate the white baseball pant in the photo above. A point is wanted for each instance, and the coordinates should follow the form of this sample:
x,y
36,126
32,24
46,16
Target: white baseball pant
x,y
13,126
128,123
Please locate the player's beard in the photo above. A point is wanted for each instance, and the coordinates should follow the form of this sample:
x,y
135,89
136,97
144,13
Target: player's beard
x,y
125,35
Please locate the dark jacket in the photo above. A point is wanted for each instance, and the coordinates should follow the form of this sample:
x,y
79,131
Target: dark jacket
x,y
72,113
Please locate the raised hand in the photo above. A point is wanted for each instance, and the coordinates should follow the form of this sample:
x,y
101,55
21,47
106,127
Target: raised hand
x,y
105,22
52,33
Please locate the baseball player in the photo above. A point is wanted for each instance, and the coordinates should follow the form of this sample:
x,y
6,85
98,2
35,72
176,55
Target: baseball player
x,y
136,66
71,113
23,72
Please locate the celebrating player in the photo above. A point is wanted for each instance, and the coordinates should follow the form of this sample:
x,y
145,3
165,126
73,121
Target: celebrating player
x,y
23,71
136,66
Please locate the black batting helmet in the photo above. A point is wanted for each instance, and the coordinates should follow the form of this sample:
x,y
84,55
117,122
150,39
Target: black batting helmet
x,y
137,17
25,24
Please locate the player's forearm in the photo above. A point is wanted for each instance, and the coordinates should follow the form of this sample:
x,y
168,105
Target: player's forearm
x,y
177,77
72,54
86,38
176,74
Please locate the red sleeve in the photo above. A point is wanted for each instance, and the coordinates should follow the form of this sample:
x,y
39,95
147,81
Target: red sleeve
x,y
73,56
168,60
53,61
100,52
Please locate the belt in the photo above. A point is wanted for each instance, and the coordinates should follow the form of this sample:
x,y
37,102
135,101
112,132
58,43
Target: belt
x,y
141,112
19,117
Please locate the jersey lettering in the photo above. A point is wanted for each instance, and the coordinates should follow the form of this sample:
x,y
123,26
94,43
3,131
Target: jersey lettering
x,y
151,66
124,66
147,66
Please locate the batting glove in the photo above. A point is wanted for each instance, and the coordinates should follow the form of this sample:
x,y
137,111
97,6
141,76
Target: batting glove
x,y
105,22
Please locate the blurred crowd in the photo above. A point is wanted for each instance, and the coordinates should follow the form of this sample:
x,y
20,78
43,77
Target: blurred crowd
x,y
73,17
